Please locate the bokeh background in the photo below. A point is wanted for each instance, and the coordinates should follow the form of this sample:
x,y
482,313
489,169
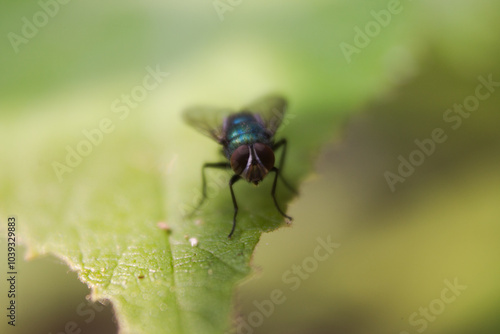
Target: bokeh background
x,y
397,248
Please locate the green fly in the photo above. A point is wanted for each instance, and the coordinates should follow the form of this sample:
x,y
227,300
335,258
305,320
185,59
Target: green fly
x,y
247,139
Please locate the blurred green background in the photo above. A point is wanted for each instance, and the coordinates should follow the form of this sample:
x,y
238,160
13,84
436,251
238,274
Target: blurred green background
x,y
396,248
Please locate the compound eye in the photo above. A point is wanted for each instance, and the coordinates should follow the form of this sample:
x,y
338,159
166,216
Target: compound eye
x,y
265,154
239,159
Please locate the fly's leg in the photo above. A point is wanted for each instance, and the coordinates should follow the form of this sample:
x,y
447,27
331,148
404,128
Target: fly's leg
x,y
283,143
215,165
273,194
232,181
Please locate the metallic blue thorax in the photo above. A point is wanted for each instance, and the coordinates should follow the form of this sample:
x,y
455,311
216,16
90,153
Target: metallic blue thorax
x,y
244,129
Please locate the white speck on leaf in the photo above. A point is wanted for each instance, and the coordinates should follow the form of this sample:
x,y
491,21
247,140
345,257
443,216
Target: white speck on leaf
x,y
193,242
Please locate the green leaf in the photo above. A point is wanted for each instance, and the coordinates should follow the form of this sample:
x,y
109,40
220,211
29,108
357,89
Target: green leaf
x,y
102,218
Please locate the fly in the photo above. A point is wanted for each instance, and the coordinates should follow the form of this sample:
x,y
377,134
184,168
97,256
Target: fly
x,y
247,138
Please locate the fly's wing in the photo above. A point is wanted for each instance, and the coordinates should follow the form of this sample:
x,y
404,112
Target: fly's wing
x,y
271,111
208,121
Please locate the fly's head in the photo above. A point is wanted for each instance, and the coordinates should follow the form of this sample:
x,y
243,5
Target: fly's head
x,y
253,162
